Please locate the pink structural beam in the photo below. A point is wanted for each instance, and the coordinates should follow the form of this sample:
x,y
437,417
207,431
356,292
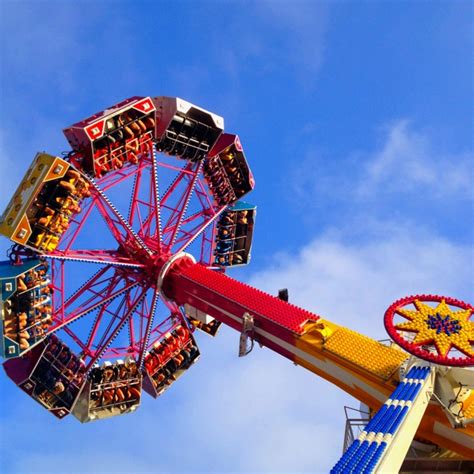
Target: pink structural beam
x,y
119,318
90,297
110,257
144,212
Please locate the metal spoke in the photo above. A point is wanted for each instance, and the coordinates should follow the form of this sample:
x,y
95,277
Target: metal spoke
x,y
120,228
130,304
95,301
109,257
146,336
178,214
196,232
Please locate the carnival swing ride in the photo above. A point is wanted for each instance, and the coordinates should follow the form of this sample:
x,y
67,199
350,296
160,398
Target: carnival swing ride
x,y
165,180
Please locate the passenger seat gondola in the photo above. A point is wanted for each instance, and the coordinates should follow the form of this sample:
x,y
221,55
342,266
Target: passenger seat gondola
x,y
202,321
42,206
169,358
185,130
111,389
50,373
110,139
25,305
234,235
226,170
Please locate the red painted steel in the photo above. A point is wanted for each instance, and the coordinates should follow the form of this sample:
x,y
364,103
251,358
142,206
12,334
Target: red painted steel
x,y
141,240
217,294
112,150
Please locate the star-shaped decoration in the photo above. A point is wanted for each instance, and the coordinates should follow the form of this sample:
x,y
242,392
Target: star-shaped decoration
x,y
441,326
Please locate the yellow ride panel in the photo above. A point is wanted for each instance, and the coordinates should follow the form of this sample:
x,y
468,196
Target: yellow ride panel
x,y
364,352
468,406
14,223
41,208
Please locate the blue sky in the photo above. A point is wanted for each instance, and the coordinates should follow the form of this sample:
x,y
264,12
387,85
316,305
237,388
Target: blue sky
x,y
356,119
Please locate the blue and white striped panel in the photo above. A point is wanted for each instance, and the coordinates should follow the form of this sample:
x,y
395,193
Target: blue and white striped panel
x,y
366,451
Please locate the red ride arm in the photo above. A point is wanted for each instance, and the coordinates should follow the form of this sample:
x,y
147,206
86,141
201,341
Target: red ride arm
x,y
226,300
361,366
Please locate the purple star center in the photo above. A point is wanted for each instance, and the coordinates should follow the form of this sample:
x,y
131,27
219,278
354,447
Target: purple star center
x,y
446,324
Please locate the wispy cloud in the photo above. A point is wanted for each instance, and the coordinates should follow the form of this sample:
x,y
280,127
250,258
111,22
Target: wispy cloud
x,y
408,162
406,165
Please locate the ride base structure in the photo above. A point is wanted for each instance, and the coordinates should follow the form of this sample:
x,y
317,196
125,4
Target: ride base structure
x,y
165,182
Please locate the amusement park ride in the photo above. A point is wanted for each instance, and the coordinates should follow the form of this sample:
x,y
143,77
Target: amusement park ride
x,y
167,181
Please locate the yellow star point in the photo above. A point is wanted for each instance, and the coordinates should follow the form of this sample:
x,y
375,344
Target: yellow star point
x,y
408,314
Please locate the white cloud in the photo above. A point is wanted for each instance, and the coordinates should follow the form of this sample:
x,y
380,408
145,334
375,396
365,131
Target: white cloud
x,y
408,165
408,162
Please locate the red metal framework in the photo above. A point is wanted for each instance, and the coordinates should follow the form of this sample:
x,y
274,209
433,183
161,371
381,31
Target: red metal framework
x,y
123,291
117,214
144,230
